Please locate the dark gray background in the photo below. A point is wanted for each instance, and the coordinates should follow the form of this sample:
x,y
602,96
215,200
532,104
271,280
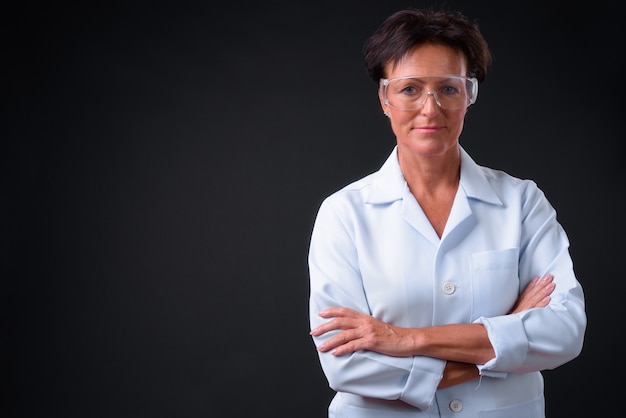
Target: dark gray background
x,y
161,167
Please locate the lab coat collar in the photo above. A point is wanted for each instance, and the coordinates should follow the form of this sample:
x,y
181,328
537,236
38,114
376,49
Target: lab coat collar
x,y
389,184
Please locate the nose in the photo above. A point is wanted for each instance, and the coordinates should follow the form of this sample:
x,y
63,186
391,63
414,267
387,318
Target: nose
x,y
430,106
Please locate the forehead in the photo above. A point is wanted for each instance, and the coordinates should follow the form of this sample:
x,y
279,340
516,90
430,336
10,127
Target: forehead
x,y
428,59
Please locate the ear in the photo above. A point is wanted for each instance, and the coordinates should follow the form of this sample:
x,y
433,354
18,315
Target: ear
x,y
385,107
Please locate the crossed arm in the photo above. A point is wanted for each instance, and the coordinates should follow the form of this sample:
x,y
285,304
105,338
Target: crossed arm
x,y
462,345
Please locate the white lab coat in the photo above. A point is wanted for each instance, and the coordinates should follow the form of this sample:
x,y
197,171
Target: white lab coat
x,y
373,250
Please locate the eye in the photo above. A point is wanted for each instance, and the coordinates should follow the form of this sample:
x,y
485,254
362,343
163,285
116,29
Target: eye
x,y
449,90
410,89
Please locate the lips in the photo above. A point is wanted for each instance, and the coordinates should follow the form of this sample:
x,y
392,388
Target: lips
x,y
428,129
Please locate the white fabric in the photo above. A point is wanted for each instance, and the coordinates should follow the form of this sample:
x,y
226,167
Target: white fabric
x,y
373,250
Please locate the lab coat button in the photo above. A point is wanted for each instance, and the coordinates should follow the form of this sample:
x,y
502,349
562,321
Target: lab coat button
x,y
448,288
456,405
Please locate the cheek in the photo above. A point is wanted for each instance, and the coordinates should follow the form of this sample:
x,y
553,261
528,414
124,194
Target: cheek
x,y
457,121
399,127
401,120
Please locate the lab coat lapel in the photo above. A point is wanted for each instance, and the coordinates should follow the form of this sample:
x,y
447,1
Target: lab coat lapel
x,y
391,186
461,210
473,185
414,215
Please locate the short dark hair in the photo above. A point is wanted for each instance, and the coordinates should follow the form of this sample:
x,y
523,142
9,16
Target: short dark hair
x,y
405,29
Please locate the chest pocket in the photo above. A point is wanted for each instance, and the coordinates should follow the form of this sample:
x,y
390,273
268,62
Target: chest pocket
x,y
495,281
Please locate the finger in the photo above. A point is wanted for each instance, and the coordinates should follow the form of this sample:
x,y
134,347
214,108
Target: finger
x,y
543,288
338,340
543,302
350,347
334,324
533,284
538,300
530,286
548,278
338,311
537,287
538,297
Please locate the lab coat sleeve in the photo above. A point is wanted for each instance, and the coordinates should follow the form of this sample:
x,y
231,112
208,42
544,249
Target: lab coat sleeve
x,y
335,280
540,338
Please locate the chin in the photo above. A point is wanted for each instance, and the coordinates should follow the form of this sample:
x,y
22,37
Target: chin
x,y
430,147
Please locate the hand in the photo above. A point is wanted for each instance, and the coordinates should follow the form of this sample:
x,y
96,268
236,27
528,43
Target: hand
x,y
362,332
535,295
456,372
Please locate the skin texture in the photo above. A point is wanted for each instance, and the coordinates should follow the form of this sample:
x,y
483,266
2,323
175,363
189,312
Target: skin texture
x,y
463,345
428,138
429,156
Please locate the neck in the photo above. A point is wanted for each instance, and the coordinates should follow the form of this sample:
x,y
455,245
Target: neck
x,y
430,175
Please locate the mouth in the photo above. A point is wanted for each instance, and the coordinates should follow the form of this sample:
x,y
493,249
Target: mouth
x,y
428,129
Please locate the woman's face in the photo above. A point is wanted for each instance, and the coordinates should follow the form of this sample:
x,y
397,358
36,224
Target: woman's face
x,y
430,130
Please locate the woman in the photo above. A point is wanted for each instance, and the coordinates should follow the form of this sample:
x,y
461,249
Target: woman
x,y
439,287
